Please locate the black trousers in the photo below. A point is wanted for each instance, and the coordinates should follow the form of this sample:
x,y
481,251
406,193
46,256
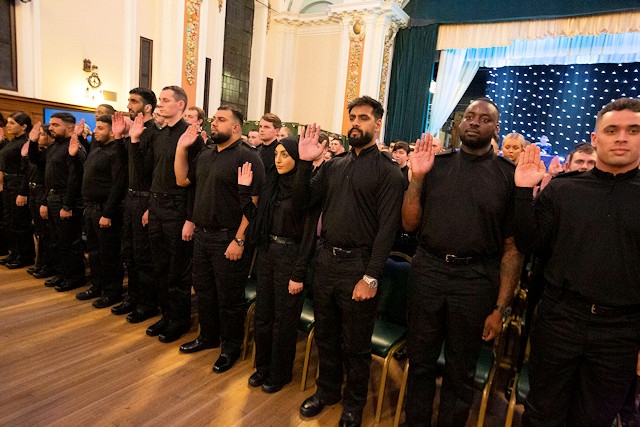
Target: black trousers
x,y
103,246
41,227
581,365
277,312
171,256
447,303
343,328
67,253
17,220
136,253
220,283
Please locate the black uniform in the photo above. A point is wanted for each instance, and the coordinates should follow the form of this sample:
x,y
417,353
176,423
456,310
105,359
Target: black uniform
x,y
361,197
467,204
37,198
268,154
103,186
136,246
217,213
584,345
168,211
63,182
17,219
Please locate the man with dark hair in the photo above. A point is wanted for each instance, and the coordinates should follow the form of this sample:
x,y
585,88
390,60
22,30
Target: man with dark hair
x,y
463,276
220,260
400,154
582,158
170,226
584,346
103,186
141,301
104,110
253,138
351,256
268,129
63,209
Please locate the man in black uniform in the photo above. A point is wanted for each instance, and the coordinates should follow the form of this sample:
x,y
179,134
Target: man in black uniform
x,y
63,182
170,227
360,193
268,129
141,301
220,259
584,345
103,185
466,266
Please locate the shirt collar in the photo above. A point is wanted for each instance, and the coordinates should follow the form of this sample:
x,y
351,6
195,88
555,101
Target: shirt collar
x,y
611,177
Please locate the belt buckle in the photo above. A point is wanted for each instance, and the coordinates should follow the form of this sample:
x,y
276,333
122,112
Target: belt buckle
x,y
334,250
450,258
593,309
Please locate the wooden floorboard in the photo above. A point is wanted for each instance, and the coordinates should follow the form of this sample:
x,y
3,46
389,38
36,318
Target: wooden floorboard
x,y
64,363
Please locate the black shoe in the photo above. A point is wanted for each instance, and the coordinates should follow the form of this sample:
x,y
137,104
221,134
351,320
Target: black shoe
x,y
90,293
12,256
140,314
126,307
273,386
33,269
198,344
43,273
104,302
224,362
158,327
69,285
19,262
314,405
54,281
173,332
257,379
350,419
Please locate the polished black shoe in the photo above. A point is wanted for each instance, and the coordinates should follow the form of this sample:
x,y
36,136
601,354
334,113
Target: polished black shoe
x,y
140,314
158,327
350,419
69,285
54,281
43,273
198,344
8,259
257,379
173,332
126,307
90,293
33,269
314,405
224,362
104,302
19,262
273,386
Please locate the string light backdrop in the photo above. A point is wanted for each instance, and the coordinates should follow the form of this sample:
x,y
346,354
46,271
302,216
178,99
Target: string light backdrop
x,y
558,101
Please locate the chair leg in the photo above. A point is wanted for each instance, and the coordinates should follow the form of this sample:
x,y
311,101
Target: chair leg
x,y
383,379
486,391
512,402
403,388
305,366
247,327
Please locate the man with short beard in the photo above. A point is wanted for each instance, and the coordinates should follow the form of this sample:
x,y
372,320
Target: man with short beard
x,y
466,266
141,301
360,194
220,258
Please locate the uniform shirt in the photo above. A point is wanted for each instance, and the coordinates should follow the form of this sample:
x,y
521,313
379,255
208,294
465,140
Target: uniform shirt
x,y
163,151
467,204
590,222
268,154
105,176
140,164
63,173
361,198
217,204
11,158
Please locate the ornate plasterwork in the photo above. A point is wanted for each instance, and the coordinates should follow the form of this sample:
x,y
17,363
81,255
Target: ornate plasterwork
x,y
342,12
356,35
220,3
269,14
356,28
386,56
192,33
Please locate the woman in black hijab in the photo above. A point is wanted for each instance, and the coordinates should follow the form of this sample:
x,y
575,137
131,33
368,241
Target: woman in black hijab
x,y
276,229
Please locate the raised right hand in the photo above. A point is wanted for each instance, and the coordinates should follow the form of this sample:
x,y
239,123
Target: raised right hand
x,y
137,128
309,148
423,157
117,124
189,136
530,169
34,134
245,174
74,145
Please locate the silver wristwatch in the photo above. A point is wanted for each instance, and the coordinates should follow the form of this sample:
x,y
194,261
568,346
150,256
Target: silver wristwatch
x,y
240,242
373,283
504,311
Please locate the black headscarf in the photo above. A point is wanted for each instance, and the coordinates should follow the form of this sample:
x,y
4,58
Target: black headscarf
x,y
277,187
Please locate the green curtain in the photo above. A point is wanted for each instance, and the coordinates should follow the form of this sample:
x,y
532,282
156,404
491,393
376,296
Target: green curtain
x,y
411,72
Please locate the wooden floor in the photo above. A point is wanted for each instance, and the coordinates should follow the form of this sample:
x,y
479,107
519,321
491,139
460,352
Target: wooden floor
x,y
64,363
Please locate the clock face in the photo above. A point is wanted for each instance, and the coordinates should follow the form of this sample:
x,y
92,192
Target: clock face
x,y
94,81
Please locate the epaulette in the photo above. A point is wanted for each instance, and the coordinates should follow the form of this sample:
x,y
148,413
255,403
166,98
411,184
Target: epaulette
x,y
507,161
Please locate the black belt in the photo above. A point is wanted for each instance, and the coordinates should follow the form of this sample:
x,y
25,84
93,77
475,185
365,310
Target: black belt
x,y
139,193
282,240
167,195
35,185
583,305
53,192
453,259
13,175
343,252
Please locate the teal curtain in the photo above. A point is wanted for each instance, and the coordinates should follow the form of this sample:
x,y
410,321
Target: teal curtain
x,y
411,72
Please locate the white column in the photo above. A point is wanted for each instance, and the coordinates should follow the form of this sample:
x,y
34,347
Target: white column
x,y
130,53
257,75
215,35
341,80
283,93
171,44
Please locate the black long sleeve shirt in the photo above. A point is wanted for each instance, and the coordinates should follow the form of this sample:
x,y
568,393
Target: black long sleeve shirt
x,y
105,176
361,198
63,173
590,223
140,164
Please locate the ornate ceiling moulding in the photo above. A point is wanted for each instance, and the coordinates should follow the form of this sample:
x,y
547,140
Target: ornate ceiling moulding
x,y
356,28
386,57
391,9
